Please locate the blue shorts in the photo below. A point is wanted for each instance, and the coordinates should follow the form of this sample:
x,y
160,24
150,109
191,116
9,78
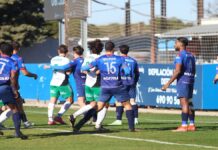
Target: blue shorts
x,y
80,89
184,90
7,95
120,94
131,90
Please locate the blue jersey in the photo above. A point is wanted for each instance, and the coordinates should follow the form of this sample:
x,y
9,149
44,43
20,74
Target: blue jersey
x,y
110,67
80,77
187,60
19,61
7,65
133,77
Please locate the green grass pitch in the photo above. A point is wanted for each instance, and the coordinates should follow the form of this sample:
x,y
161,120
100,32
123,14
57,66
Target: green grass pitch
x,y
154,133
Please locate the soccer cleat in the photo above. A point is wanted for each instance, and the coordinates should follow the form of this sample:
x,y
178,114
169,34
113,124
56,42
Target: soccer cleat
x,y
72,120
28,124
101,129
116,123
191,128
21,136
59,120
131,130
181,129
51,123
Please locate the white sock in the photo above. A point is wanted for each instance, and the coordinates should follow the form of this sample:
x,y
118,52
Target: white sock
x,y
82,110
50,111
100,117
5,115
64,108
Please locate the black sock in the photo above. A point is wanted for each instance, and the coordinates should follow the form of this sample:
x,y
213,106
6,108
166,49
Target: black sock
x,y
119,111
86,118
135,110
17,121
94,117
130,117
23,117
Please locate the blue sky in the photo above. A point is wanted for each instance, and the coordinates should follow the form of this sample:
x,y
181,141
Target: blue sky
x,y
182,9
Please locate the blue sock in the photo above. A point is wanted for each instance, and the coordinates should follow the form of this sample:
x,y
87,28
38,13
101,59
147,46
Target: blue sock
x,y
119,111
192,117
184,119
130,117
17,121
135,110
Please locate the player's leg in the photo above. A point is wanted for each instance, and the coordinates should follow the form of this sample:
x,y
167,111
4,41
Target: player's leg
x,y
5,115
191,126
132,94
122,96
81,95
65,92
119,114
24,119
54,94
184,115
104,97
7,97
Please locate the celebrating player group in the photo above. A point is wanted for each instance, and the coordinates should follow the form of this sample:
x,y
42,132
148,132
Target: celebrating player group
x,y
98,78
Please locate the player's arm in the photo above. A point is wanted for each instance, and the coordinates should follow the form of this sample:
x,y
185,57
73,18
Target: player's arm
x,y
89,66
13,80
176,73
23,69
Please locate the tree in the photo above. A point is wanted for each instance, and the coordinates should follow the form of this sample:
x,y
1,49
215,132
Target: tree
x,y
23,21
212,9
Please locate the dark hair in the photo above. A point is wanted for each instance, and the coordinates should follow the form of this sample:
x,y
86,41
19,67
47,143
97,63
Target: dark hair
x,y
96,46
78,50
15,45
6,49
183,40
109,46
63,49
124,49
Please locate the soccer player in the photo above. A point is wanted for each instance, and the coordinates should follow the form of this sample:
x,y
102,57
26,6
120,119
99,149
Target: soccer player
x,y
92,85
78,75
59,85
185,74
8,86
130,82
110,67
22,68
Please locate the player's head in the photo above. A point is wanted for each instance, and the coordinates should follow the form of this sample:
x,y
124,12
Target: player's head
x,y
6,49
96,46
124,49
181,43
109,46
16,45
63,49
78,51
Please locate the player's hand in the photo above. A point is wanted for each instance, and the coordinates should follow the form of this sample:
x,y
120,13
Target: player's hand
x,y
16,94
164,88
215,80
35,76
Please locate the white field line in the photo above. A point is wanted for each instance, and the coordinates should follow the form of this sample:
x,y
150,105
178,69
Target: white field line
x,y
152,120
137,139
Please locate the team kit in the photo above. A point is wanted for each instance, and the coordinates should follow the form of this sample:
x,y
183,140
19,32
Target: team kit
x,y
98,78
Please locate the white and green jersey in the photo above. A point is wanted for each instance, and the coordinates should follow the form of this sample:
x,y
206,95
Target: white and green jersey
x,y
59,78
91,78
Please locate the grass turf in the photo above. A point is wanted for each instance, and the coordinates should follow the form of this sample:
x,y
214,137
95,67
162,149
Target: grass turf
x,y
153,129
